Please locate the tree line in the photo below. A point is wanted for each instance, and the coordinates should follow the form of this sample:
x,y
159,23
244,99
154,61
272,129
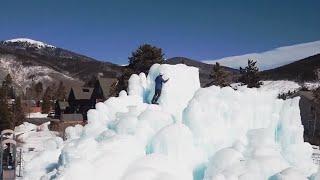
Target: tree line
x,y
12,108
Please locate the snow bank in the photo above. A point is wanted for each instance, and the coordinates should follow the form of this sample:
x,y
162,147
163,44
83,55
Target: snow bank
x,y
40,147
194,133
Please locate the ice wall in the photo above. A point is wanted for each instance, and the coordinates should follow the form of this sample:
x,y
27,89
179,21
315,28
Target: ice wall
x,y
194,133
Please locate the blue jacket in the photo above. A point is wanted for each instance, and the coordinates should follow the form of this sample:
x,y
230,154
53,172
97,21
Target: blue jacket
x,y
159,80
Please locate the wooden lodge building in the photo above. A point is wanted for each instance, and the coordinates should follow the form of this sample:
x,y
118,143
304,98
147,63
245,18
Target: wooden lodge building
x,y
79,101
102,89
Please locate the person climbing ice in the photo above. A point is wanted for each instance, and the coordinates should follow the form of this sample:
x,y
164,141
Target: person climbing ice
x,y
159,81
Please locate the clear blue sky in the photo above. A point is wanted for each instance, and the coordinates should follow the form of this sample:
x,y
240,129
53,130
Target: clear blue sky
x,y
199,29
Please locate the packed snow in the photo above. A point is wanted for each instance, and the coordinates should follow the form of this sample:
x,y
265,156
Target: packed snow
x,y
40,149
273,58
193,134
35,43
280,86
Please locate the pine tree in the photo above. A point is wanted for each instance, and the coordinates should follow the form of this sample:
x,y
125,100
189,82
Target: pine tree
x,y
61,92
144,57
38,89
5,115
219,76
46,103
18,114
7,81
122,82
249,75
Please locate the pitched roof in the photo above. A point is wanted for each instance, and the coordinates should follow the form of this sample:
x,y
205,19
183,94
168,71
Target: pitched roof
x,y
106,84
71,117
82,92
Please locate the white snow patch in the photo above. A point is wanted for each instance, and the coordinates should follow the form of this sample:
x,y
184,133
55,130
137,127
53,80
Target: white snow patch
x,y
38,44
273,58
36,115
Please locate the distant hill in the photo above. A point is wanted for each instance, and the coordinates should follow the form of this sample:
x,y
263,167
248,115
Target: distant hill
x,y
204,69
28,60
273,58
302,70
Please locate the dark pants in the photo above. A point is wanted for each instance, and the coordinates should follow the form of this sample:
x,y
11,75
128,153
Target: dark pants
x,y
156,96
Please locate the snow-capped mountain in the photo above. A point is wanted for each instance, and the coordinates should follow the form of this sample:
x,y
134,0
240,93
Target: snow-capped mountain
x,y
29,42
30,61
273,58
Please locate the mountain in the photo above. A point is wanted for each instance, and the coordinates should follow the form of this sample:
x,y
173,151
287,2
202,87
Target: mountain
x,y
273,58
29,60
204,69
303,70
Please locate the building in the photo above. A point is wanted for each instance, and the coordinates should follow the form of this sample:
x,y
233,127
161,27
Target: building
x,y
31,106
102,89
61,107
80,101
310,116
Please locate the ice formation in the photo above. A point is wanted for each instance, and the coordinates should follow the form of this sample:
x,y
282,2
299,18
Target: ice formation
x,y
194,133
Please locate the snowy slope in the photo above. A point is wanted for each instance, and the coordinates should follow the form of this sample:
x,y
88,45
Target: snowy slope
x,y
273,58
23,75
32,42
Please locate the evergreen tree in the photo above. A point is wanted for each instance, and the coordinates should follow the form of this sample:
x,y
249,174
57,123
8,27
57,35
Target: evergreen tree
x,y
46,103
249,75
5,115
219,76
18,114
38,89
144,57
122,82
7,81
61,92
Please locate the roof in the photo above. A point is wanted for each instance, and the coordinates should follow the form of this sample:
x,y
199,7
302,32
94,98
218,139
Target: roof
x,y
106,84
71,117
82,92
63,104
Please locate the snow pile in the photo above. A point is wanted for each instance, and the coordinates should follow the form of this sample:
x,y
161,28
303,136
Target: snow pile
x,y
32,42
280,86
40,147
273,58
194,133
311,85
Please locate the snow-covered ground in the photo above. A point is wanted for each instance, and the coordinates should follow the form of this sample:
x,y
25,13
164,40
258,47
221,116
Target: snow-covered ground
x,y
273,58
194,133
281,86
36,115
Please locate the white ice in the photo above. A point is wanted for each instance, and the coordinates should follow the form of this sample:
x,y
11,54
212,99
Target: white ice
x,y
194,133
